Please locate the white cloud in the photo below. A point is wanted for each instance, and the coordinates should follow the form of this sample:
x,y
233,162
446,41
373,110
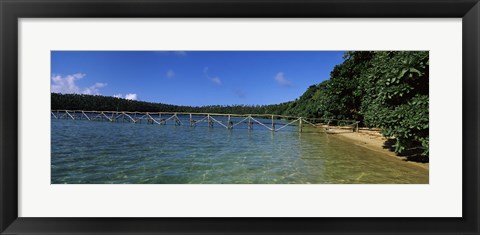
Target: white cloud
x,y
281,80
131,96
67,85
215,79
170,74
94,90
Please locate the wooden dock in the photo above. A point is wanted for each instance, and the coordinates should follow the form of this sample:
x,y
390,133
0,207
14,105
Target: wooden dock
x,y
229,121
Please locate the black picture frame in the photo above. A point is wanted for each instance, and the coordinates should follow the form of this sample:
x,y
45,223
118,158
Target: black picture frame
x,y
12,10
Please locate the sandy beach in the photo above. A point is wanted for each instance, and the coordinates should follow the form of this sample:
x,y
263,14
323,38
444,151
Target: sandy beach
x,y
372,140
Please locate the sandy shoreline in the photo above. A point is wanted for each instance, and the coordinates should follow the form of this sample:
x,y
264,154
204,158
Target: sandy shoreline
x,y
373,141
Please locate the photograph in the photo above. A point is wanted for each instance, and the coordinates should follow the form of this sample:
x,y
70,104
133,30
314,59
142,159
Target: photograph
x,y
239,117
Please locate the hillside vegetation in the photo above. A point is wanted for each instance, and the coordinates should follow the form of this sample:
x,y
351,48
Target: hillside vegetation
x,y
388,90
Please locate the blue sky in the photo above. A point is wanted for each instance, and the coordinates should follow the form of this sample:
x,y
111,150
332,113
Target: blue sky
x,y
192,78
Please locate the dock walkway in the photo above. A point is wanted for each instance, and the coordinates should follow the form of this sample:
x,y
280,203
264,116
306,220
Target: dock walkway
x,y
228,121
270,122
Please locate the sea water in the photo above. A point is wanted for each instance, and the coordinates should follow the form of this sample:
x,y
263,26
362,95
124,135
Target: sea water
x,y
96,152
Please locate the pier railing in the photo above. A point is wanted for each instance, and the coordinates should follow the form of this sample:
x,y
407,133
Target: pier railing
x,y
270,122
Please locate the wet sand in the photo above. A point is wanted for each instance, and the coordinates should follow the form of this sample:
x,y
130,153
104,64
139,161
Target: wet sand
x,y
372,140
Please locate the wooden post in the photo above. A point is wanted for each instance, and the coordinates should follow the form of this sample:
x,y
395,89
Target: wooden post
x,y
176,120
300,125
209,121
229,125
273,124
249,122
191,120
160,118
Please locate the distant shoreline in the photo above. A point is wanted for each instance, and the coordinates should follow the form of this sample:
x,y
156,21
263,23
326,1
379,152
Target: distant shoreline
x,y
373,141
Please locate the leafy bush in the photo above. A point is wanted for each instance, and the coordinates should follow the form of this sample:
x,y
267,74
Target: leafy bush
x,y
396,98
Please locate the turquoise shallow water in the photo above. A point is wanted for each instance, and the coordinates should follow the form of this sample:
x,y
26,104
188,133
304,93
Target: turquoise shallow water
x,y
91,152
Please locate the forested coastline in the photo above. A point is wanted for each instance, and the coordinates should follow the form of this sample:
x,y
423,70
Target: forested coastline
x,y
387,89
108,103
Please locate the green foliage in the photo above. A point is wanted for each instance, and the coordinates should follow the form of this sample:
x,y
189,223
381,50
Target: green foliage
x,y
396,98
408,123
305,105
338,97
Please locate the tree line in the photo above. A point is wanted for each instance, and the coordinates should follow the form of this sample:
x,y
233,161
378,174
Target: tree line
x,y
108,103
384,89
